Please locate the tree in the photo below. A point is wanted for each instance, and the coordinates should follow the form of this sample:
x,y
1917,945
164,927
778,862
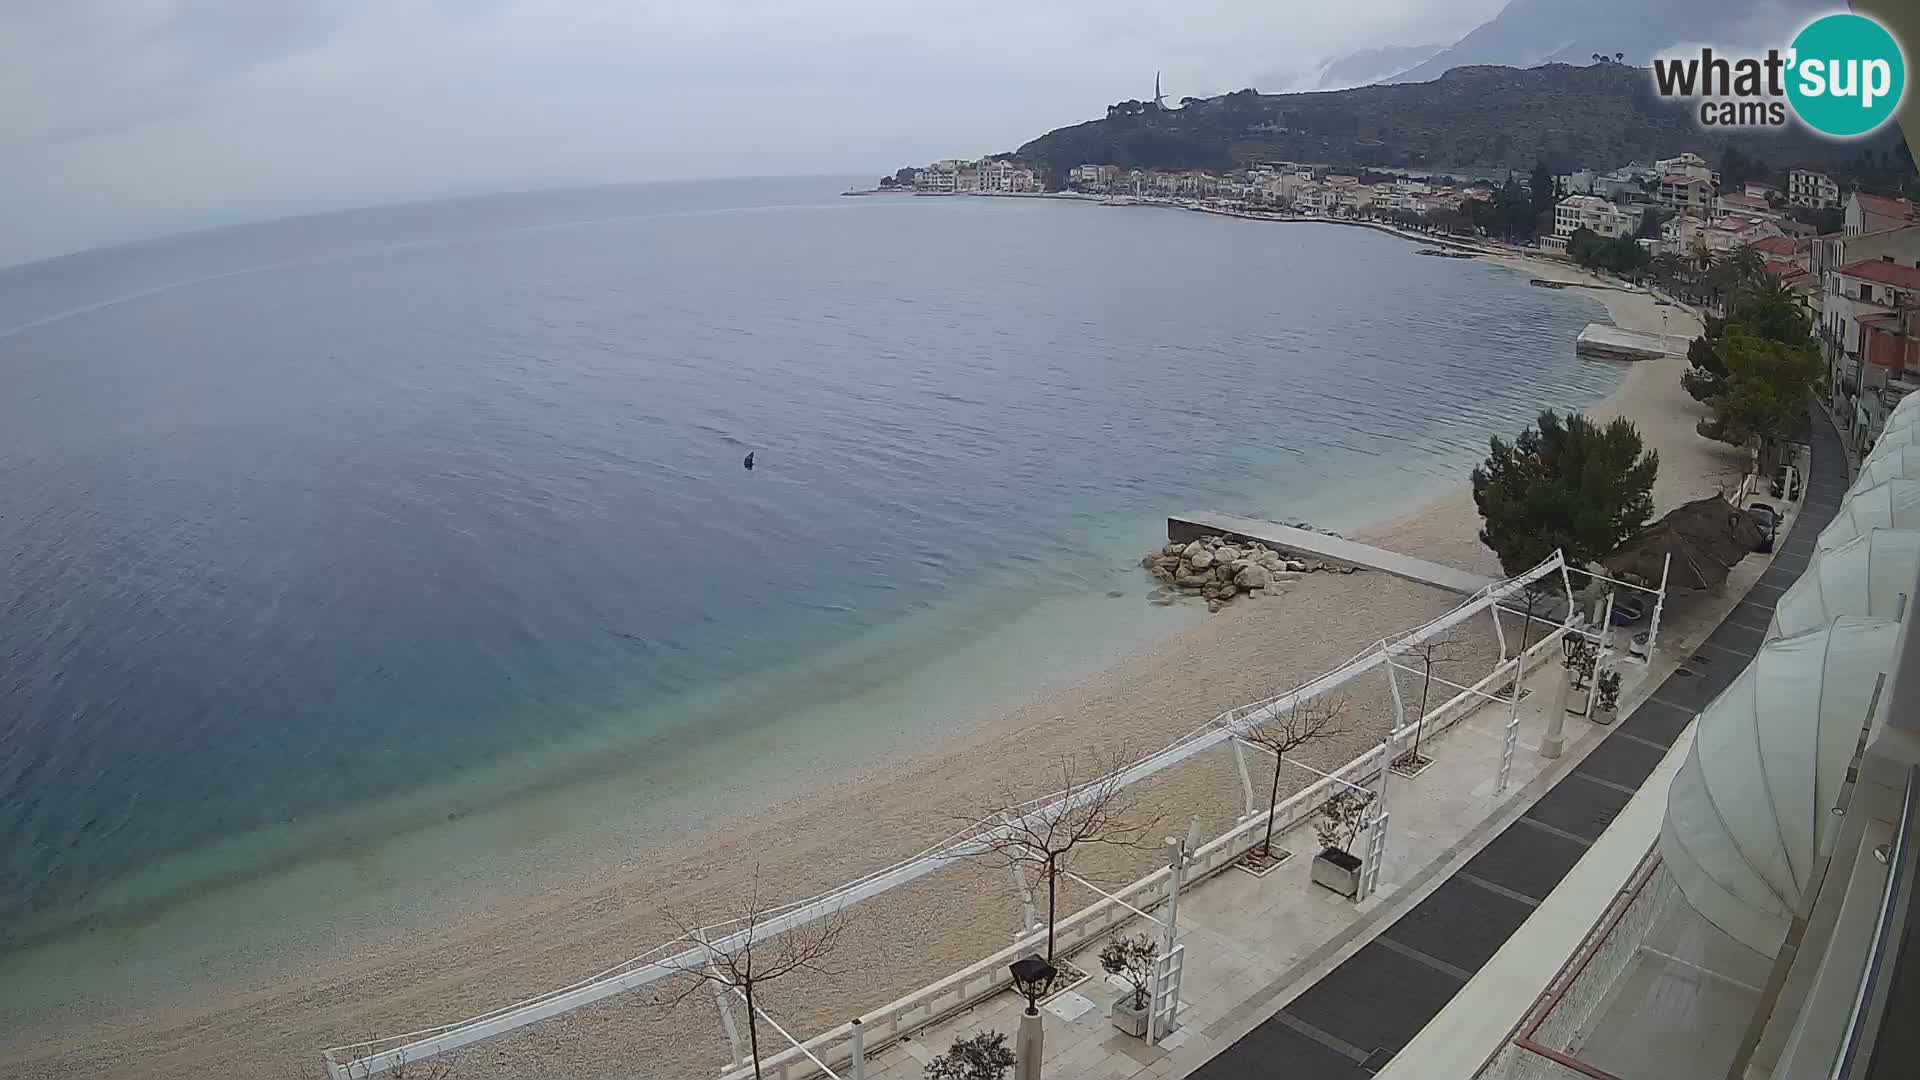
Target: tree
x,y
1567,484
1341,818
1746,264
1541,189
1304,722
747,956
1046,834
1766,388
1132,959
1705,372
1443,649
980,1056
1650,222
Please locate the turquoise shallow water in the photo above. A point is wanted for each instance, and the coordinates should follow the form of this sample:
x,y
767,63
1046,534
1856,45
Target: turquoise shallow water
x,y
325,531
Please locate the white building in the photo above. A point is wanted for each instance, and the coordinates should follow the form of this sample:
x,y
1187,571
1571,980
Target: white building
x,y
1876,213
1692,166
1576,212
1811,187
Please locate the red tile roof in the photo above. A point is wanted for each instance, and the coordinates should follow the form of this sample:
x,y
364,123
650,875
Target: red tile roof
x,y
1886,273
1882,206
1777,245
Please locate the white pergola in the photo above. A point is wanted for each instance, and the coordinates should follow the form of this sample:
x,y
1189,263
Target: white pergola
x,y
359,1061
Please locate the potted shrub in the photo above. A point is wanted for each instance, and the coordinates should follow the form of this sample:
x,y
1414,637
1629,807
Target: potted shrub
x,y
1131,959
1341,818
982,1056
1607,697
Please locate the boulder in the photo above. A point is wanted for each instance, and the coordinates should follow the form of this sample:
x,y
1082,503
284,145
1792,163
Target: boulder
x,y
1188,551
1161,573
1296,567
1215,605
1268,559
1251,577
1201,559
1193,581
1173,550
1223,571
1228,553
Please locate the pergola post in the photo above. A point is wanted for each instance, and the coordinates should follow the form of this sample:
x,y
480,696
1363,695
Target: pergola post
x,y
857,1049
1393,684
1246,778
1377,824
727,1023
1659,602
1513,724
1499,632
1029,916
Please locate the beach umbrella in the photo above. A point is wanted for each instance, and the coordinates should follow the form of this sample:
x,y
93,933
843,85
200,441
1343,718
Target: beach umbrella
x,y
1894,504
1867,575
1705,538
1749,812
1899,463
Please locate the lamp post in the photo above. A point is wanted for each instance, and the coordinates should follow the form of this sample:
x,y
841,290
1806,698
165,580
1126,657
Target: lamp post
x,y
1032,978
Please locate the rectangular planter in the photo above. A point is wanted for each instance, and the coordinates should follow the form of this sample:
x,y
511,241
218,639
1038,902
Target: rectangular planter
x,y
1337,870
1130,1020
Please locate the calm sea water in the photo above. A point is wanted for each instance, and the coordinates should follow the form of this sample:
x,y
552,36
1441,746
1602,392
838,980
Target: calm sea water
x,y
299,516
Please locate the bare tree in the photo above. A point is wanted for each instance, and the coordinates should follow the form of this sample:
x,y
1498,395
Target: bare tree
x,y
744,954
1090,809
1305,722
1443,649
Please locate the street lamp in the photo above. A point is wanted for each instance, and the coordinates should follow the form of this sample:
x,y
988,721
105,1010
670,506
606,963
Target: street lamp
x,y
1032,978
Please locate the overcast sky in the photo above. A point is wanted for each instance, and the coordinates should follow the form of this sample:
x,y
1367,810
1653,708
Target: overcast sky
x,y
127,118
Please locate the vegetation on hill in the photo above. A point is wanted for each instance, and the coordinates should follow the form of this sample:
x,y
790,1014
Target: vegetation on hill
x,y
1471,118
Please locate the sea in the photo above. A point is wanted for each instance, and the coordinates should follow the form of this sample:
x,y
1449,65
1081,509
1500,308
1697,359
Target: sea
x,y
377,561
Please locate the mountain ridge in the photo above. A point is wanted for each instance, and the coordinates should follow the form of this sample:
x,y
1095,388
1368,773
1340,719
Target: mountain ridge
x,y
1473,117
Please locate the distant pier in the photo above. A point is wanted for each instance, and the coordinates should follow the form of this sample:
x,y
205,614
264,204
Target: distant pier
x,y
1327,549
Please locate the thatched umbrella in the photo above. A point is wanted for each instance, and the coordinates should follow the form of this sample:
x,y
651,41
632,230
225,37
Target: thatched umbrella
x,y
1706,538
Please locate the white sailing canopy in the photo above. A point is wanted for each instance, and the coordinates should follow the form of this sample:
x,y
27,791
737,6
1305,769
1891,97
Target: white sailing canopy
x,y
1899,463
1748,812
1866,575
1893,504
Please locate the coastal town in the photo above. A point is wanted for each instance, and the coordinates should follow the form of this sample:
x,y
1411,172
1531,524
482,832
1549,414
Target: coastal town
x,y
1851,256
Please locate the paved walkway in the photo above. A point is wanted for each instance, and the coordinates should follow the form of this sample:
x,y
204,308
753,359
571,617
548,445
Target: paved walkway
x,y
1352,1021
1334,549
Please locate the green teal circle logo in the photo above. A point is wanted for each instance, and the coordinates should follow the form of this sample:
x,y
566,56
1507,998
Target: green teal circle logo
x,y
1848,75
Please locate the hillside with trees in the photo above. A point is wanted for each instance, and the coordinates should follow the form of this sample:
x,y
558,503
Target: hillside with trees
x,y
1472,118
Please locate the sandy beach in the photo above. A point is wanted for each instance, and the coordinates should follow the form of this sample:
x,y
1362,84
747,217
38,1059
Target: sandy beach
x,y
885,811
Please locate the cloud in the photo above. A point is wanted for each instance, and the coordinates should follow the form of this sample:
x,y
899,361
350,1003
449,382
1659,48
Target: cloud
x,y
139,116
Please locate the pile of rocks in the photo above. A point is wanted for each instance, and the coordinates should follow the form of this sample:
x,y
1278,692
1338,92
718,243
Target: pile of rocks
x,y
1218,569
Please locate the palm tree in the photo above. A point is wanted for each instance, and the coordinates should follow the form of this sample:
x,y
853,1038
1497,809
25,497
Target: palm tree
x,y
1666,266
1746,264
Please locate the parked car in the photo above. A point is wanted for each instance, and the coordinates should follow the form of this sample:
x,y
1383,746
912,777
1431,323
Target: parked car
x,y
1769,521
1786,483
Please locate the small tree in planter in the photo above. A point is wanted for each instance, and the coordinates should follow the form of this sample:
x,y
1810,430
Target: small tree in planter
x,y
1444,649
1132,959
982,1056
1307,722
1608,697
1341,818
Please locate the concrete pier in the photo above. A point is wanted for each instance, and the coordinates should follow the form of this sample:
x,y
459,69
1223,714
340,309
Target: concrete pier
x,y
1327,549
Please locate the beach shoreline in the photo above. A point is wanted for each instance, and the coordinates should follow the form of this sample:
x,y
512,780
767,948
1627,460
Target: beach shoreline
x,y
901,801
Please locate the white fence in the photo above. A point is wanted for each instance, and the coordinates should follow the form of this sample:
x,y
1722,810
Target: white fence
x,y
368,1059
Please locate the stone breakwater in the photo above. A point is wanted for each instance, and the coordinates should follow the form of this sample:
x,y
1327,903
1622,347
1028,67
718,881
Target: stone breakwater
x,y
1217,570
